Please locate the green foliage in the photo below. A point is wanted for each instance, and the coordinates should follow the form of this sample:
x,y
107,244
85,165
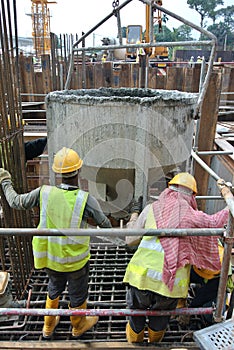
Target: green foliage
x,y
182,33
224,35
222,30
204,8
227,15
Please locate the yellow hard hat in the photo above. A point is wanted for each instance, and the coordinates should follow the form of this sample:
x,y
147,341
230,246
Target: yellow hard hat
x,y
66,161
186,180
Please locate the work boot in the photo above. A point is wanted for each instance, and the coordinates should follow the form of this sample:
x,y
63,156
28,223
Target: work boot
x,y
182,302
155,336
50,322
81,324
133,337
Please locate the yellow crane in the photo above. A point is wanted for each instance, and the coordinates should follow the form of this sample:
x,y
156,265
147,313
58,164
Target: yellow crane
x,y
41,26
135,34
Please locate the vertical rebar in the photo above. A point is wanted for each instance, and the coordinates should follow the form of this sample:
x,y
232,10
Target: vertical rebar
x,y
12,157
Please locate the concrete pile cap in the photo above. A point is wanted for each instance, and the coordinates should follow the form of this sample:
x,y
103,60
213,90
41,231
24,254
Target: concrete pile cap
x,y
129,95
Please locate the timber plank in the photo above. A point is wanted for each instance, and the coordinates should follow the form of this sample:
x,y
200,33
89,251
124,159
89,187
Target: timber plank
x,y
67,345
134,81
107,74
45,64
98,75
152,77
125,75
207,130
27,77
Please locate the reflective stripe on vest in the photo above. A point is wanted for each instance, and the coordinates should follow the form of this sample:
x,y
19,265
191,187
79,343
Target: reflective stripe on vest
x,y
148,275
61,253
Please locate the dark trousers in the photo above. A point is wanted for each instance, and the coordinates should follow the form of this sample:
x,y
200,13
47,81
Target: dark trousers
x,y
76,281
147,300
207,292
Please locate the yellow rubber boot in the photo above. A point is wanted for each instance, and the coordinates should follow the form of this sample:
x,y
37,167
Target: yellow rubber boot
x,y
133,337
81,324
50,322
155,336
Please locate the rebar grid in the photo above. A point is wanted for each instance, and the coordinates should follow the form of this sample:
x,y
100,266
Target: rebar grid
x,y
17,249
106,291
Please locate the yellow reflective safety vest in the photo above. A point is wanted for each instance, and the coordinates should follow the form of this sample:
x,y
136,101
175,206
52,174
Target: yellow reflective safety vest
x,y
60,209
145,269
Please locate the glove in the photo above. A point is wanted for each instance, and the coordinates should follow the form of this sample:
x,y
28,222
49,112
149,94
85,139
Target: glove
x,y
220,182
136,206
4,175
225,188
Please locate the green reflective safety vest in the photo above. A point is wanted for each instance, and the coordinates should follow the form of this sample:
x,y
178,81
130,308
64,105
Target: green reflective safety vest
x,y
61,209
145,269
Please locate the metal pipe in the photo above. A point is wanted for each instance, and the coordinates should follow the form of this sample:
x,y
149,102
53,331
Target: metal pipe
x,y
205,166
214,152
198,197
105,312
228,196
212,53
68,80
113,232
144,45
228,243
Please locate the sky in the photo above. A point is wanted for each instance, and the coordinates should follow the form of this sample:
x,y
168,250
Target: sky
x,y
77,16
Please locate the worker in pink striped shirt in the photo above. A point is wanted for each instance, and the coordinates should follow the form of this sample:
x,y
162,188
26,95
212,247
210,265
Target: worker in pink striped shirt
x,y
158,274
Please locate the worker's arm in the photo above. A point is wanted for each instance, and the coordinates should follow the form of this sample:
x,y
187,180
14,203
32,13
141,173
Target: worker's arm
x,y
136,222
15,200
34,148
94,211
20,201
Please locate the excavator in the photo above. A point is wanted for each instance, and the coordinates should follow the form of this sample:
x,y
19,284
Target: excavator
x,y
134,35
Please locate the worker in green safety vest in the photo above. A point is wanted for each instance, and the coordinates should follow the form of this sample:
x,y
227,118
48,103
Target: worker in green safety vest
x,y
65,258
159,272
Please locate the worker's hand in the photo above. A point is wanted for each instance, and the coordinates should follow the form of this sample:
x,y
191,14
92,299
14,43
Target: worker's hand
x,y
225,188
4,175
136,206
220,183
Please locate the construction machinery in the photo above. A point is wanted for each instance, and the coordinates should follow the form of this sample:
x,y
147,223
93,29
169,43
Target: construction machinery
x,y
41,26
134,34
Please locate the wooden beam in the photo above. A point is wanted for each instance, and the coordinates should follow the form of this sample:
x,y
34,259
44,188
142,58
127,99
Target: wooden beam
x,y
67,345
207,130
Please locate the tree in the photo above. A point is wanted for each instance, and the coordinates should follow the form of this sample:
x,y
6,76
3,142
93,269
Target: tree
x,y
223,34
182,33
227,15
205,8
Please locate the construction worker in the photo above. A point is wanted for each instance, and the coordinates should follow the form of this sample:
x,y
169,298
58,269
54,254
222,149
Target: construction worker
x,y
191,62
158,273
139,52
34,148
65,259
199,59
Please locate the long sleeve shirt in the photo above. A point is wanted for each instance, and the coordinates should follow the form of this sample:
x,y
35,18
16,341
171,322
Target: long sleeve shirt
x,y
32,199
